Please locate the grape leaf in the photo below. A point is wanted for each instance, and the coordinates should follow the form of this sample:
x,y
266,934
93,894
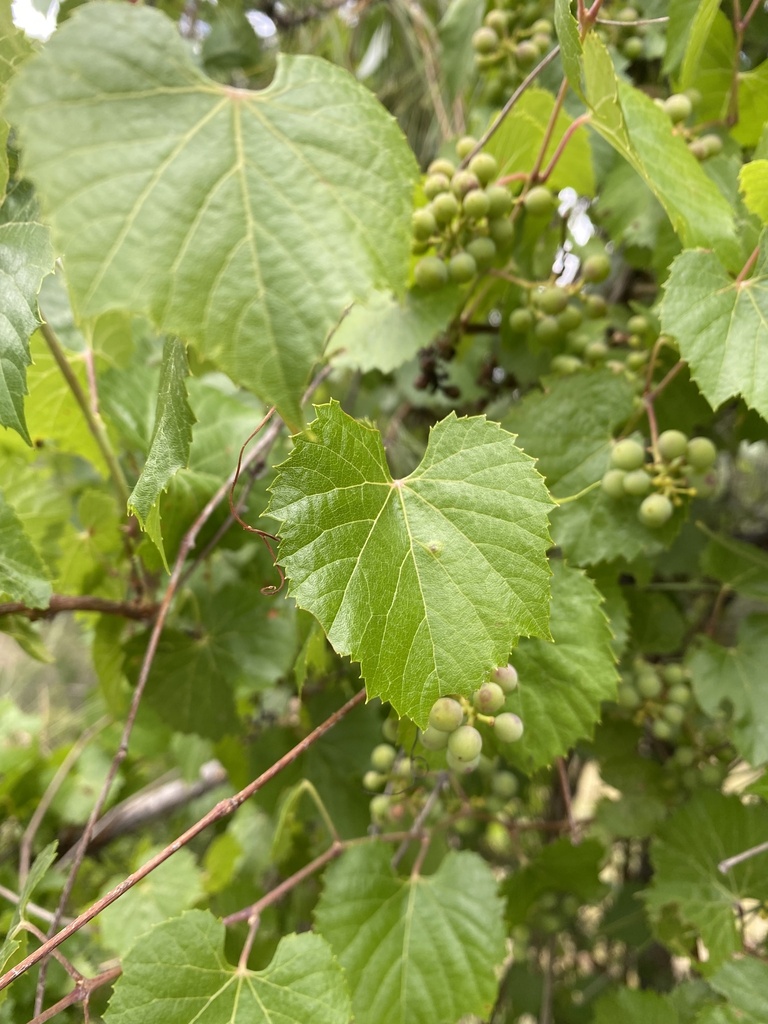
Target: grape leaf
x,y
227,216
736,677
171,889
642,134
681,17
14,48
635,1007
743,567
178,974
562,685
426,581
686,874
415,951
25,259
701,24
517,142
744,983
169,450
567,29
753,183
22,574
569,430
721,326
386,331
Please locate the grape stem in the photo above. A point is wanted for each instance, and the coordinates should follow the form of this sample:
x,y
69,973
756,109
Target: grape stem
x,y
730,862
579,494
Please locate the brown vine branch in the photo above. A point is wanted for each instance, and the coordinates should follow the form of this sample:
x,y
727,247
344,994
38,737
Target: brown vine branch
x,y
222,810
136,610
81,993
567,135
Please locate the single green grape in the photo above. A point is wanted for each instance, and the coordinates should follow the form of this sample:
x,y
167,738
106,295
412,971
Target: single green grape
x,y
446,714
637,483
680,694
502,232
483,250
456,764
700,454
383,757
520,321
685,756
595,306
423,224
430,273
673,674
485,41
489,698
672,444
648,684
673,713
637,324
465,743
506,677
547,330
465,145
565,364
374,781
464,182
485,167
436,184
462,267
655,510
596,269
476,204
551,300
526,53
628,697
678,106
613,482
540,202
570,318
504,784
434,739
442,166
444,207
500,201
628,454
508,727
662,730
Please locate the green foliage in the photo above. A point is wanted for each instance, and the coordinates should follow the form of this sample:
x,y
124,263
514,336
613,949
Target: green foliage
x,y
527,520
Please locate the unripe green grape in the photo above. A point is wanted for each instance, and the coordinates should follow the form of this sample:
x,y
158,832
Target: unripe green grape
x,y
499,199
442,166
565,364
476,204
596,351
502,232
551,300
373,781
446,714
383,757
685,756
570,318
542,42
627,14
595,306
613,483
461,267
699,149
673,713
633,48
436,185
389,729
712,145
520,321
508,727
628,697
497,839
526,53
465,743
704,485
483,250
673,675
672,444
547,330
485,167
419,248
628,454
637,483
434,739
464,182
497,20
430,273
578,342
444,207
506,677
648,684
700,453
540,202
423,224
504,784
485,41
678,107
465,145
655,510
461,767
403,768
680,694
489,698
636,360
379,807
596,269
662,730
637,324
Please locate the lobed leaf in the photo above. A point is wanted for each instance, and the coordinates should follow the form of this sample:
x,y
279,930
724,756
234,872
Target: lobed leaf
x,y
415,951
427,581
245,222
23,576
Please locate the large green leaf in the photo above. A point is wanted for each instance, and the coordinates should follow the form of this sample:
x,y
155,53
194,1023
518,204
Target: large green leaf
x,y
744,983
743,567
753,182
562,685
633,1007
14,48
427,581
245,222
22,573
721,326
701,24
517,142
415,951
171,438
686,874
178,974
25,259
642,134
569,430
567,29
736,677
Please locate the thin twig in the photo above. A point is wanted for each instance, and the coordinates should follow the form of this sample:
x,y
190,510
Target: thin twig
x,y
80,603
421,817
633,24
533,177
71,970
80,994
222,810
25,848
567,135
31,908
730,862
94,422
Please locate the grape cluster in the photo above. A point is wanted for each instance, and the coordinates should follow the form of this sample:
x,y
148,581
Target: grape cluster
x,y
465,223
628,38
452,722
679,107
680,468
511,40
661,693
